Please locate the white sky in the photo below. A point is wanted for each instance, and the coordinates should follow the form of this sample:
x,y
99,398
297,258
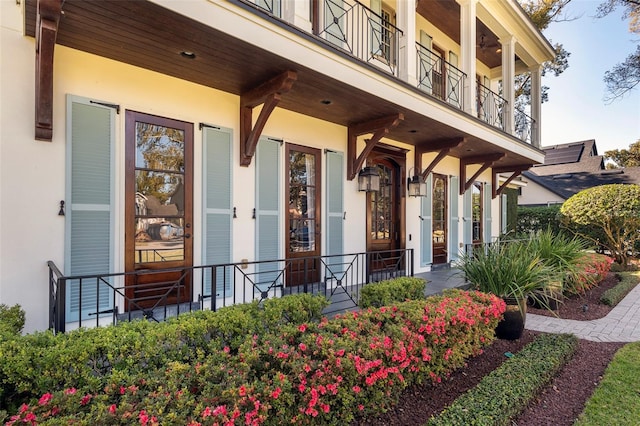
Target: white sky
x,y
576,109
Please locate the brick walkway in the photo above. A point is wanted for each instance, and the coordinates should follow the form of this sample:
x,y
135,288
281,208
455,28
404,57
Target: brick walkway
x,y
622,324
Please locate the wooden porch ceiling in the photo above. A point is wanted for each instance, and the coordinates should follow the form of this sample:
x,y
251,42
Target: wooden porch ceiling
x,y
149,36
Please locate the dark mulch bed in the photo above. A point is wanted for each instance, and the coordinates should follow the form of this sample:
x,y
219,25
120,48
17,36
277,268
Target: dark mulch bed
x,y
557,405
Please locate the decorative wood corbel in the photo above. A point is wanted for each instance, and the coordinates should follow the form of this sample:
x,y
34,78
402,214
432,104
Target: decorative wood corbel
x,y
515,172
379,127
269,94
486,161
444,146
47,20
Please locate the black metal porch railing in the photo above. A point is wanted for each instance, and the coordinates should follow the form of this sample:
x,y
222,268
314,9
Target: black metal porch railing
x,y
367,35
491,107
102,299
523,125
439,78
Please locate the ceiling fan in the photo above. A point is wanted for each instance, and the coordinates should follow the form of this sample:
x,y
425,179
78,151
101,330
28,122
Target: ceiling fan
x,y
484,44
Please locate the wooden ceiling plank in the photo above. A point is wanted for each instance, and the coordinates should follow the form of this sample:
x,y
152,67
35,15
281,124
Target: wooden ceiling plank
x,y
268,93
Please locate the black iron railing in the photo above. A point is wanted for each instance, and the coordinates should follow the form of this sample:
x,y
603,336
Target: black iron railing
x,y
367,35
439,78
523,125
102,299
491,107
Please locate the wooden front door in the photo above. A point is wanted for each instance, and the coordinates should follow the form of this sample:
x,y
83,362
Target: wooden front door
x,y
439,217
303,234
158,210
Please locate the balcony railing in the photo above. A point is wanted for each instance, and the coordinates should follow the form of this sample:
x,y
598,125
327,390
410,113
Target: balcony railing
x,y
523,125
491,107
439,78
103,299
365,34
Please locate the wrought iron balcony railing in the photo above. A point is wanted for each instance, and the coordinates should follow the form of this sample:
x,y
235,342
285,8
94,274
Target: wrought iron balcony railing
x,y
491,107
440,78
103,299
523,125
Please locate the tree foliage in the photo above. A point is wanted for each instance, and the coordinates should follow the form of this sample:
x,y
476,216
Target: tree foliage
x,y
542,13
625,76
614,209
625,157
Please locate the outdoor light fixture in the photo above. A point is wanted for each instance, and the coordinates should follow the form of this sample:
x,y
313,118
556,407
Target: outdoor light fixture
x,y
416,185
369,179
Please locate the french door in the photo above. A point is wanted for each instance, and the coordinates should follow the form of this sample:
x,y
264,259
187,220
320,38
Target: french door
x,y
439,218
303,234
158,210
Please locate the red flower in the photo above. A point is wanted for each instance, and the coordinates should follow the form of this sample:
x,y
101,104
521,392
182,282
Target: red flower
x,y
220,410
302,328
143,417
44,400
276,393
85,399
70,391
356,389
302,347
206,413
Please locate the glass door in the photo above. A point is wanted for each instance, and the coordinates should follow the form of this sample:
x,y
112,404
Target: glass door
x,y
439,216
158,210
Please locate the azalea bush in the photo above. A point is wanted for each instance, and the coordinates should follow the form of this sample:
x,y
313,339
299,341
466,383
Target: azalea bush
x,y
387,292
591,269
305,372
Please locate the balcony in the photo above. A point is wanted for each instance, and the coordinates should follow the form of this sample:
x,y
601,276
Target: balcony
x,y
439,78
491,107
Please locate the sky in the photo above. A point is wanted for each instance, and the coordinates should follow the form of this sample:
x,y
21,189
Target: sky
x,y
576,109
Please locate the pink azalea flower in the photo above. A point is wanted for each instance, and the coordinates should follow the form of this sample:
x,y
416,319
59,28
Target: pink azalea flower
x,y
44,400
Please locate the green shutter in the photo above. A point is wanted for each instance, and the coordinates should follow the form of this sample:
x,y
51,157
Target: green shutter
x,y
89,213
467,224
218,211
487,212
426,225
267,209
335,209
454,220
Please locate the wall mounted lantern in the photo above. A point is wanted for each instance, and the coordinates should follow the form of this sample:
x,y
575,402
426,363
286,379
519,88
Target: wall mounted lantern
x,y
369,179
417,186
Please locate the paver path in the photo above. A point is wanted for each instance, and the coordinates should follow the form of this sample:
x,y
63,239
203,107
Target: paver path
x,y
622,324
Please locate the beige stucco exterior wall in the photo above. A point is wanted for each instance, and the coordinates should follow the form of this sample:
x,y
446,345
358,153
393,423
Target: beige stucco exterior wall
x,y
537,194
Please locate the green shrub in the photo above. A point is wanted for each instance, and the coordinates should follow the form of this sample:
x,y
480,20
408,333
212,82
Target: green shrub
x,y
534,219
309,373
591,269
11,319
385,293
502,394
628,281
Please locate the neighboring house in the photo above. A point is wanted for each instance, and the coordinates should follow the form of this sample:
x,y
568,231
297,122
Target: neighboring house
x,y
568,169
169,135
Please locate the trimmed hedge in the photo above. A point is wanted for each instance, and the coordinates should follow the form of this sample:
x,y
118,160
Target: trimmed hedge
x,y
506,391
628,281
386,293
197,370
11,319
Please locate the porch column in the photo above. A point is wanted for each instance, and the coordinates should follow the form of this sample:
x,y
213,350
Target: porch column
x,y
536,105
468,53
407,56
508,77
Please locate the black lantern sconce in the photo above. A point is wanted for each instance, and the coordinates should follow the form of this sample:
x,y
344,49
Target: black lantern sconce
x,y
417,186
369,179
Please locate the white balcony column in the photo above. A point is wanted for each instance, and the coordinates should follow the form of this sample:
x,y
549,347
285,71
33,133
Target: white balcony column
x,y
297,13
536,105
407,55
508,80
468,53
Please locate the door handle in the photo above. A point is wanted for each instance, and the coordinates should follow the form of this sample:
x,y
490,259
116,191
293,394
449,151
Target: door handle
x,y
187,235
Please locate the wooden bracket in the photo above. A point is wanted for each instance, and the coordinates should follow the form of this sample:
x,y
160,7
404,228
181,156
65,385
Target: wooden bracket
x,y
515,172
486,161
269,94
379,127
47,20
444,146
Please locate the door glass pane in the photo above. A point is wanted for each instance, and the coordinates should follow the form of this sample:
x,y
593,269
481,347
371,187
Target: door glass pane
x,y
159,212
302,201
439,210
381,206
476,213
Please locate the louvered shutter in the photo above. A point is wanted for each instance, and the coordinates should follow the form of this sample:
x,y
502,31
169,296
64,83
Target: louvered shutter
x,y
89,213
467,223
454,220
426,225
218,210
335,211
488,214
267,210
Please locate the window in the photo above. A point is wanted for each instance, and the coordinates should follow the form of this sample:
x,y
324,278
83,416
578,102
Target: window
x,y
476,212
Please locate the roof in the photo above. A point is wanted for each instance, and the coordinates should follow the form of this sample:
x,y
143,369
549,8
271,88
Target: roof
x,y
567,184
571,157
